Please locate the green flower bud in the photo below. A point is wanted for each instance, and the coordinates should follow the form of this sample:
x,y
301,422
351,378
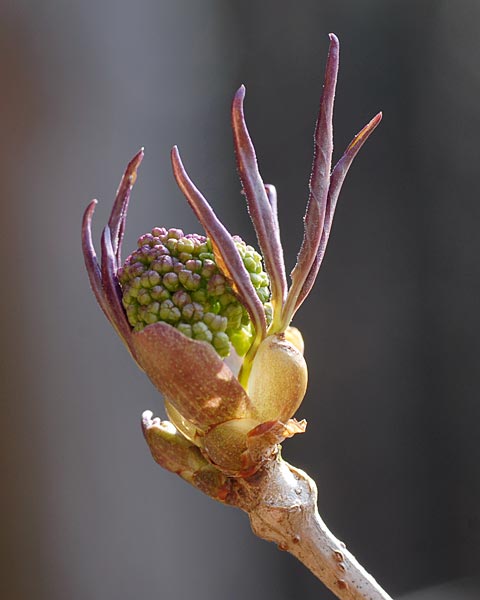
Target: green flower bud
x,y
173,278
202,332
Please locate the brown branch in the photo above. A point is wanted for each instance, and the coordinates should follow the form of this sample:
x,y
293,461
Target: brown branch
x,y
281,502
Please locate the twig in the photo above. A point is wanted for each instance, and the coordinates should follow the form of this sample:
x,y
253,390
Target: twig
x,y
281,502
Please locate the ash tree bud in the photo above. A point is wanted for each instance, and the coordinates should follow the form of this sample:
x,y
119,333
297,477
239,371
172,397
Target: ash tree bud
x,y
182,303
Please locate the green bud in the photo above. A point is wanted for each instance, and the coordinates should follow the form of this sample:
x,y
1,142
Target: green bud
x,y
186,329
158,292
215,322
202,332
144,297
169,312
172,277
170,281
221,343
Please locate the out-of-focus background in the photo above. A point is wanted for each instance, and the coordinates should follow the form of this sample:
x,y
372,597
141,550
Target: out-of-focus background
x,y
391,328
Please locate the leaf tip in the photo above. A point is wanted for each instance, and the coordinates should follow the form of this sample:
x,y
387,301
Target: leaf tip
x,y
333,39
177,165
133,166
237,104
88,216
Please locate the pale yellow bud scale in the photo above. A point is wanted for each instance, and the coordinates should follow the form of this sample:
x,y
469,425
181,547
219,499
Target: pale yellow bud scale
x,y
278,379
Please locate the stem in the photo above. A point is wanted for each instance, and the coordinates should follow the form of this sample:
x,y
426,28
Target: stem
x,y
282,505
281,502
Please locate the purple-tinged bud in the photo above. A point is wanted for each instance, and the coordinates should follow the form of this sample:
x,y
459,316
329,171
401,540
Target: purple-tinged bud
x,y
216,285
190,281
208,269
170,281
195,266
175,234
158,292
192,312
181,298
159,232
145,240
163,264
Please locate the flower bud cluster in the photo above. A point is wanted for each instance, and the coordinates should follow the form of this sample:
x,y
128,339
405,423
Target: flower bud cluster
x,y
174,278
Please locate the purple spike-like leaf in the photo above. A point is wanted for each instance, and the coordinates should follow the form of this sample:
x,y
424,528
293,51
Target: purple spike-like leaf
x,y
112,290
226,253
263,217
338,176
118,215
319,182
91,262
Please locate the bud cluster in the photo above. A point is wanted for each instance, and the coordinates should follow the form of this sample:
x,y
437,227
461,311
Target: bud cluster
x,y
174,278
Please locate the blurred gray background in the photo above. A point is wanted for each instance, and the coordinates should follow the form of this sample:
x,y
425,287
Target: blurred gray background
x,y
391,328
